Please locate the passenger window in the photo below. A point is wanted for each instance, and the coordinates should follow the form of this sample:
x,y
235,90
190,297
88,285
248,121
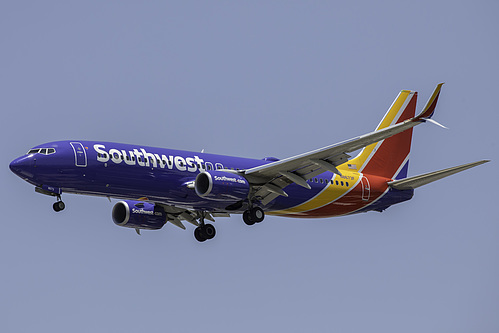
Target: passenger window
x,y
322,181
341,183
347,184
337,183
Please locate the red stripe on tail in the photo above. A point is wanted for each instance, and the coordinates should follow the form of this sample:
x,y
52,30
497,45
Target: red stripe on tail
x,y
393,151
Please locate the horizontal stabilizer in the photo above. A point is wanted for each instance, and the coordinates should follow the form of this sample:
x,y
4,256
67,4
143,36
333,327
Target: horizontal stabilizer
x,y
417,181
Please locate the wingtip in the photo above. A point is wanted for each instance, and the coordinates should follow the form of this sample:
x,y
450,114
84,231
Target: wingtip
x,y
477,163
430,106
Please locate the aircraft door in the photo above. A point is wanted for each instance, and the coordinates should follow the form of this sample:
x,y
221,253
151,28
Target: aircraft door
x,y
80,154
366,188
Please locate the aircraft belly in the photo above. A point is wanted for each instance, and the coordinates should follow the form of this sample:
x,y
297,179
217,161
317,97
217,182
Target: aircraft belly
x,y
163,186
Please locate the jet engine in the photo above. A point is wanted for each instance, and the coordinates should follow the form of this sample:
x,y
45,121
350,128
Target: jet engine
x,y
221,186
139,215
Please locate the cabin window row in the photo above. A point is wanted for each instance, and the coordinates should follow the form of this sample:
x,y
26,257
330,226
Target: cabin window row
x,y
327,181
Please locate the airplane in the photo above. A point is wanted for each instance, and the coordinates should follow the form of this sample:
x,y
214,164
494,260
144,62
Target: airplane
x,y
156,185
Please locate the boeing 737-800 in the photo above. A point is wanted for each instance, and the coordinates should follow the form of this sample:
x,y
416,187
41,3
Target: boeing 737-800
x,y
156,185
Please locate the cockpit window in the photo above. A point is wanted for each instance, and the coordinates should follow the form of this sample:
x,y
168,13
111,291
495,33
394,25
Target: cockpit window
x,y
44,151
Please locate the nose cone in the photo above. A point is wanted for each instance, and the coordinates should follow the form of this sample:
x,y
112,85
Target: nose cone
x,y
22,166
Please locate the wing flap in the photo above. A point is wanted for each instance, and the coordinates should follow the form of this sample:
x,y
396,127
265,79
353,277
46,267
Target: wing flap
x,y
175,215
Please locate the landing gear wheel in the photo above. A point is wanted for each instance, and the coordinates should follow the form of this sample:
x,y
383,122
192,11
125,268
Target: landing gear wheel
x,y
257,214
199,234
247,218
58,206
209,231
204,232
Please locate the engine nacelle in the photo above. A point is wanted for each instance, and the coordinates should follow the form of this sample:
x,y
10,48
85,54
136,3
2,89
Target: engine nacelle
x,y
138,214
221,186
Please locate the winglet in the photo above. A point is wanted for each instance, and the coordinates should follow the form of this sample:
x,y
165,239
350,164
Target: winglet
x,y
430,106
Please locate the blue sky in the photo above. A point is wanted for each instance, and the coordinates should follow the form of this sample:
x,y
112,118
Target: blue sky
x,y
251,79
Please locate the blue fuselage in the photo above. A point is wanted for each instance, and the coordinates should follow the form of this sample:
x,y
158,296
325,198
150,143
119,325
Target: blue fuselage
x,y
161,175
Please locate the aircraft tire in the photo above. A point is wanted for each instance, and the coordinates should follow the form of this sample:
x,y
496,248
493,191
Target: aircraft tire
x,y
209,231
199,234
58,206
247,218
257,214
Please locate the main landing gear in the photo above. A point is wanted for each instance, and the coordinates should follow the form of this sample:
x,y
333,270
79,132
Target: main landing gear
x,y
59,205
207,231
204,231
253,215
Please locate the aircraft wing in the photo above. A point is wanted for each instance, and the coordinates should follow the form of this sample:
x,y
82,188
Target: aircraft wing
x,y
273,177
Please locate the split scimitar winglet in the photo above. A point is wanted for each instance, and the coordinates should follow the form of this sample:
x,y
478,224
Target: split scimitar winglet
x,y
434,122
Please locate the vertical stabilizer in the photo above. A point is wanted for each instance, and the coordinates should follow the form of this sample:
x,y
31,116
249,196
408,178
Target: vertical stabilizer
x,y
389,158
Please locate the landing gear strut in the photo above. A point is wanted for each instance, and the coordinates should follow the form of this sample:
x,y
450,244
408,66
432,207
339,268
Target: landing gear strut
x,y
253,215
204,231
59,205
